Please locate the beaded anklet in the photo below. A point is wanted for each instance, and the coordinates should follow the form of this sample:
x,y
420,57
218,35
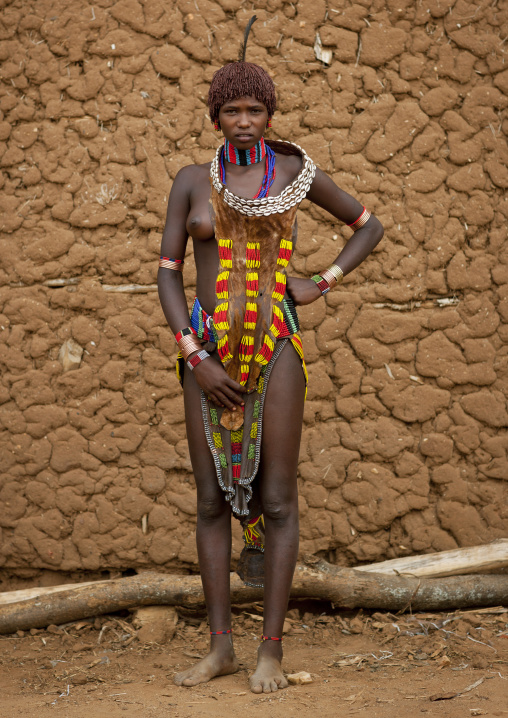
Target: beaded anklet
x,y
219,633
270,638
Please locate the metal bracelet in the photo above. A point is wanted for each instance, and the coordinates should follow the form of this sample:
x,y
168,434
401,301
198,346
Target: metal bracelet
x,y
337,272
188,345
175,264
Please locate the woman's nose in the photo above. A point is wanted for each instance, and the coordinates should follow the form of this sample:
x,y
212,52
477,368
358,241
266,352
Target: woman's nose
x,y
244,120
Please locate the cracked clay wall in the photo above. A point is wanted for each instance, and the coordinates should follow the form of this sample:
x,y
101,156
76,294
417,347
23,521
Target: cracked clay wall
x,y
404,443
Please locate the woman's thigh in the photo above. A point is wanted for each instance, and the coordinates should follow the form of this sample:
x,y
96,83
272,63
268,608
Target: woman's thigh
x,y
282,428
201,458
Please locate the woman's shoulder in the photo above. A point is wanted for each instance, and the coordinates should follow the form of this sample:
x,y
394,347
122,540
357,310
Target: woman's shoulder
x,y
189,175
291,165
290,161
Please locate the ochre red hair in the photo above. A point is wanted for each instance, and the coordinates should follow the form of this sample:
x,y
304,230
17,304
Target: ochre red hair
x,y
240,79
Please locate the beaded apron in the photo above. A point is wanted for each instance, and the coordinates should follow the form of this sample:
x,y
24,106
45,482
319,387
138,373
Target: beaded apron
x,y
235,451
254,318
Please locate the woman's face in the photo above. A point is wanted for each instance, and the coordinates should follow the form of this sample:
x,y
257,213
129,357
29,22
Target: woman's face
x,y
243,121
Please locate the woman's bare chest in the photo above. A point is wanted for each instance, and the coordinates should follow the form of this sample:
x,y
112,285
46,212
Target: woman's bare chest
x,y
200,224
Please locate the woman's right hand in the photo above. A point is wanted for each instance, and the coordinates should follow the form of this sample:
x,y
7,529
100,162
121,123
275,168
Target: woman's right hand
x,y
217,385
302,291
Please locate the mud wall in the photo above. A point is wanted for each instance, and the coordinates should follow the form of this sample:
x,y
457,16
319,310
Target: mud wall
x,y
404,444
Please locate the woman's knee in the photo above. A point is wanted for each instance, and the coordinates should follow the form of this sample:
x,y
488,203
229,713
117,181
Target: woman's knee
x,y
280,507
212,508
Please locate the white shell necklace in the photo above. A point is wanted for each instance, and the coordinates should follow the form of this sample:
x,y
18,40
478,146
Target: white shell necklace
x,y
290,195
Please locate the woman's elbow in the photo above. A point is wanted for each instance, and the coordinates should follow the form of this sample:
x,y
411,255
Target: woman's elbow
x,y
378,230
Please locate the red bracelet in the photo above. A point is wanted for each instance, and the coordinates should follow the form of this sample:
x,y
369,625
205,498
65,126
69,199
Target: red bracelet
x,y
323,285
197,359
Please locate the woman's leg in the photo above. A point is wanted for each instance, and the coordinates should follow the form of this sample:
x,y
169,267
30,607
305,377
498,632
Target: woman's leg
x,y
213,536
282,428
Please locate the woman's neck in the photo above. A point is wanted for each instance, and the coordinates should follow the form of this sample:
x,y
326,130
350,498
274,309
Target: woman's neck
x,y
245,157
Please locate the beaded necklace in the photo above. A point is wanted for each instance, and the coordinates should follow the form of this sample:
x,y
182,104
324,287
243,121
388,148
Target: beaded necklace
x,y
249,157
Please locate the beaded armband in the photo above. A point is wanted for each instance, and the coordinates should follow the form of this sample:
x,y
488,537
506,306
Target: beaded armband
x,y
362,219
197,359
175,264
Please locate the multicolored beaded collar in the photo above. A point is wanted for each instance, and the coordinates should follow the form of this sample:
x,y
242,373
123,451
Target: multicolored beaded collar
x,y
256,154
245,157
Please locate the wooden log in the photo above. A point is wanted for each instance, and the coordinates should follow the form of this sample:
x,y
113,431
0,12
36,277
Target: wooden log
x,y
345,588
23,594
473,559
461,561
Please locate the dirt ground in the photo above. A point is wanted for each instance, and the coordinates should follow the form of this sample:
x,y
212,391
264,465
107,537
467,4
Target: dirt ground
x,y
377,664
101,103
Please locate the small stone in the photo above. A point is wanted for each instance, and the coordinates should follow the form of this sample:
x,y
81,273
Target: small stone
x,y
54,629
443,662
79,680
300,679
356,625
70,355
155,624
287,626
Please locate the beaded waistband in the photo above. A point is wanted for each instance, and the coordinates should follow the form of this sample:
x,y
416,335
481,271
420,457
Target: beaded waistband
x,y
202,322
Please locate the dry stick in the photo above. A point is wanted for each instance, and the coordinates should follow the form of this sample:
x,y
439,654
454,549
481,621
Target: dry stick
x,y
345,588
129,288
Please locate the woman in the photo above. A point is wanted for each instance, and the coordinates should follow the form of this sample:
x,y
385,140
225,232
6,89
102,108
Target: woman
x,y
243,376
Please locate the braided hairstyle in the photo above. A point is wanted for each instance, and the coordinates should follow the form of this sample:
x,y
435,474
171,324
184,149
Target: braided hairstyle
x,y
240,79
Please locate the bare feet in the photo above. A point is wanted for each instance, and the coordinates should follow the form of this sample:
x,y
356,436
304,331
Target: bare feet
x,y
219,662
268,676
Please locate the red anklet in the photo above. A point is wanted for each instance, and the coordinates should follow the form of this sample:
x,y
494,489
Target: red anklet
x,y
270,638
219,633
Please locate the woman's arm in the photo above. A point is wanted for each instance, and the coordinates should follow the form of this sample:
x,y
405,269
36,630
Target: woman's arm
x,y
209,374
174,242
325,193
